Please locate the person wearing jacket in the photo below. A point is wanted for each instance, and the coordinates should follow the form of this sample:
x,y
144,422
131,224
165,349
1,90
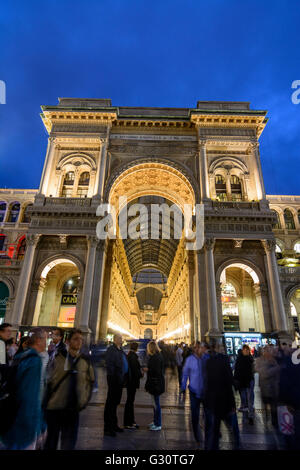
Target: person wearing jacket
x,y
244,380
219,399
193,371
132,385
155,383
28,425
117,377
269,372
68,392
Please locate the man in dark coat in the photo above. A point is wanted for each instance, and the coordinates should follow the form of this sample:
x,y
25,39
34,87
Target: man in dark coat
x,y
219,398
117,375
132,385
244,380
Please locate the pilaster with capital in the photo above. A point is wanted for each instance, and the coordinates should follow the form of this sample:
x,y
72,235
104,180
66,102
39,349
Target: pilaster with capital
x,y
280,320
24,279
260,187
204,182
83,319
48,166
213,322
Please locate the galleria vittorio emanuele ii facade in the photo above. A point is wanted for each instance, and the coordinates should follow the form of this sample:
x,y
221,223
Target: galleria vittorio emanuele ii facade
x,y
244,282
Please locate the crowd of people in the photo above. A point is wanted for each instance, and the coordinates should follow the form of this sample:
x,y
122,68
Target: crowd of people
x,y
43,389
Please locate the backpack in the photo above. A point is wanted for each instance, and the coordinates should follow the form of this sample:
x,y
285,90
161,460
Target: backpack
x,y
8,396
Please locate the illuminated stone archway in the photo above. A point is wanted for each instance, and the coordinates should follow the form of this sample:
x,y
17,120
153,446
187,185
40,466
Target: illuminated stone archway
x,y
148,179
152,178
241,296
56,301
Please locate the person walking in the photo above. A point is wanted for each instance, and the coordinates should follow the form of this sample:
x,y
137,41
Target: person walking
x,y
244,380
193,372
58,343
117,377
135,374
5,335
26,417
269,371
179,362
219,399
155,383
68,392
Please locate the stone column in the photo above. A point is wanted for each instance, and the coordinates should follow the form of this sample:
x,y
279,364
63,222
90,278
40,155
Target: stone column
x,y
104,307
191,274
38,302
47,166
102,166
260,187
228,186
204,184
24,280
260,310
212,186
280,320
211,289
83,320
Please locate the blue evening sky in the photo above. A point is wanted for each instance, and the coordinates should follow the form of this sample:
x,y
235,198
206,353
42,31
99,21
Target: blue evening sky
x,y
149,53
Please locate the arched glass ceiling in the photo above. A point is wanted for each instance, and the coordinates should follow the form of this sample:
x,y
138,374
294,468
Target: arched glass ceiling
x,y
149,297
152,253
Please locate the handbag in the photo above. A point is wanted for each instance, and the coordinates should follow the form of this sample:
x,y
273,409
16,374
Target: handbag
x,y
285,421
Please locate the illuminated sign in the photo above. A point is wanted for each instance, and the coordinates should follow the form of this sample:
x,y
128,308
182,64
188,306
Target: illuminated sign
x,y
69,299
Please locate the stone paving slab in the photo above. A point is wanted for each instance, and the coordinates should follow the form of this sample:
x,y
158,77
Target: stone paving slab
x,y
177,430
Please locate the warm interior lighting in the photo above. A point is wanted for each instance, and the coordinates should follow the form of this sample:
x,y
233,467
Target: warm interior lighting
x,y
119,329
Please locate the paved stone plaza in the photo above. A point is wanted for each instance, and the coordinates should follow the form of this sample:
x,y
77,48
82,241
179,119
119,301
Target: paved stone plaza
x,y
176,430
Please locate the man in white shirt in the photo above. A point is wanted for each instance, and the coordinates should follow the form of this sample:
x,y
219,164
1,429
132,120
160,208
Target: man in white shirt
x,y
5,335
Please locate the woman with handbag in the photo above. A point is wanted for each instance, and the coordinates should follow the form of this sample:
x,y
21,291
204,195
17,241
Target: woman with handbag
x,y
155,383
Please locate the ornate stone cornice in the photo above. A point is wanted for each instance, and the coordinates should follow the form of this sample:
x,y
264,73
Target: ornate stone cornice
x,y
77,117
227,120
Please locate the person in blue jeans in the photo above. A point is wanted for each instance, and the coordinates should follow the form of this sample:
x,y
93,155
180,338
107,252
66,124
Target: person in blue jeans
x,y
193,372
155,383
244,379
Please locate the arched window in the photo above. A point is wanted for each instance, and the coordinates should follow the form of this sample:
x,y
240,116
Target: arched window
x,y
83,184
2,242
220,188
289,220
236,188
278,224
14,212
21,249
299,216
2,210
4,296
230,307
278,249
294,317
26,216
68,303
297,247
67,189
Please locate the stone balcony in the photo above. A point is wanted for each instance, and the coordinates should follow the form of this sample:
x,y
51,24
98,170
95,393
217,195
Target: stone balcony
x,y
240,219
56,205
10,263
290,274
